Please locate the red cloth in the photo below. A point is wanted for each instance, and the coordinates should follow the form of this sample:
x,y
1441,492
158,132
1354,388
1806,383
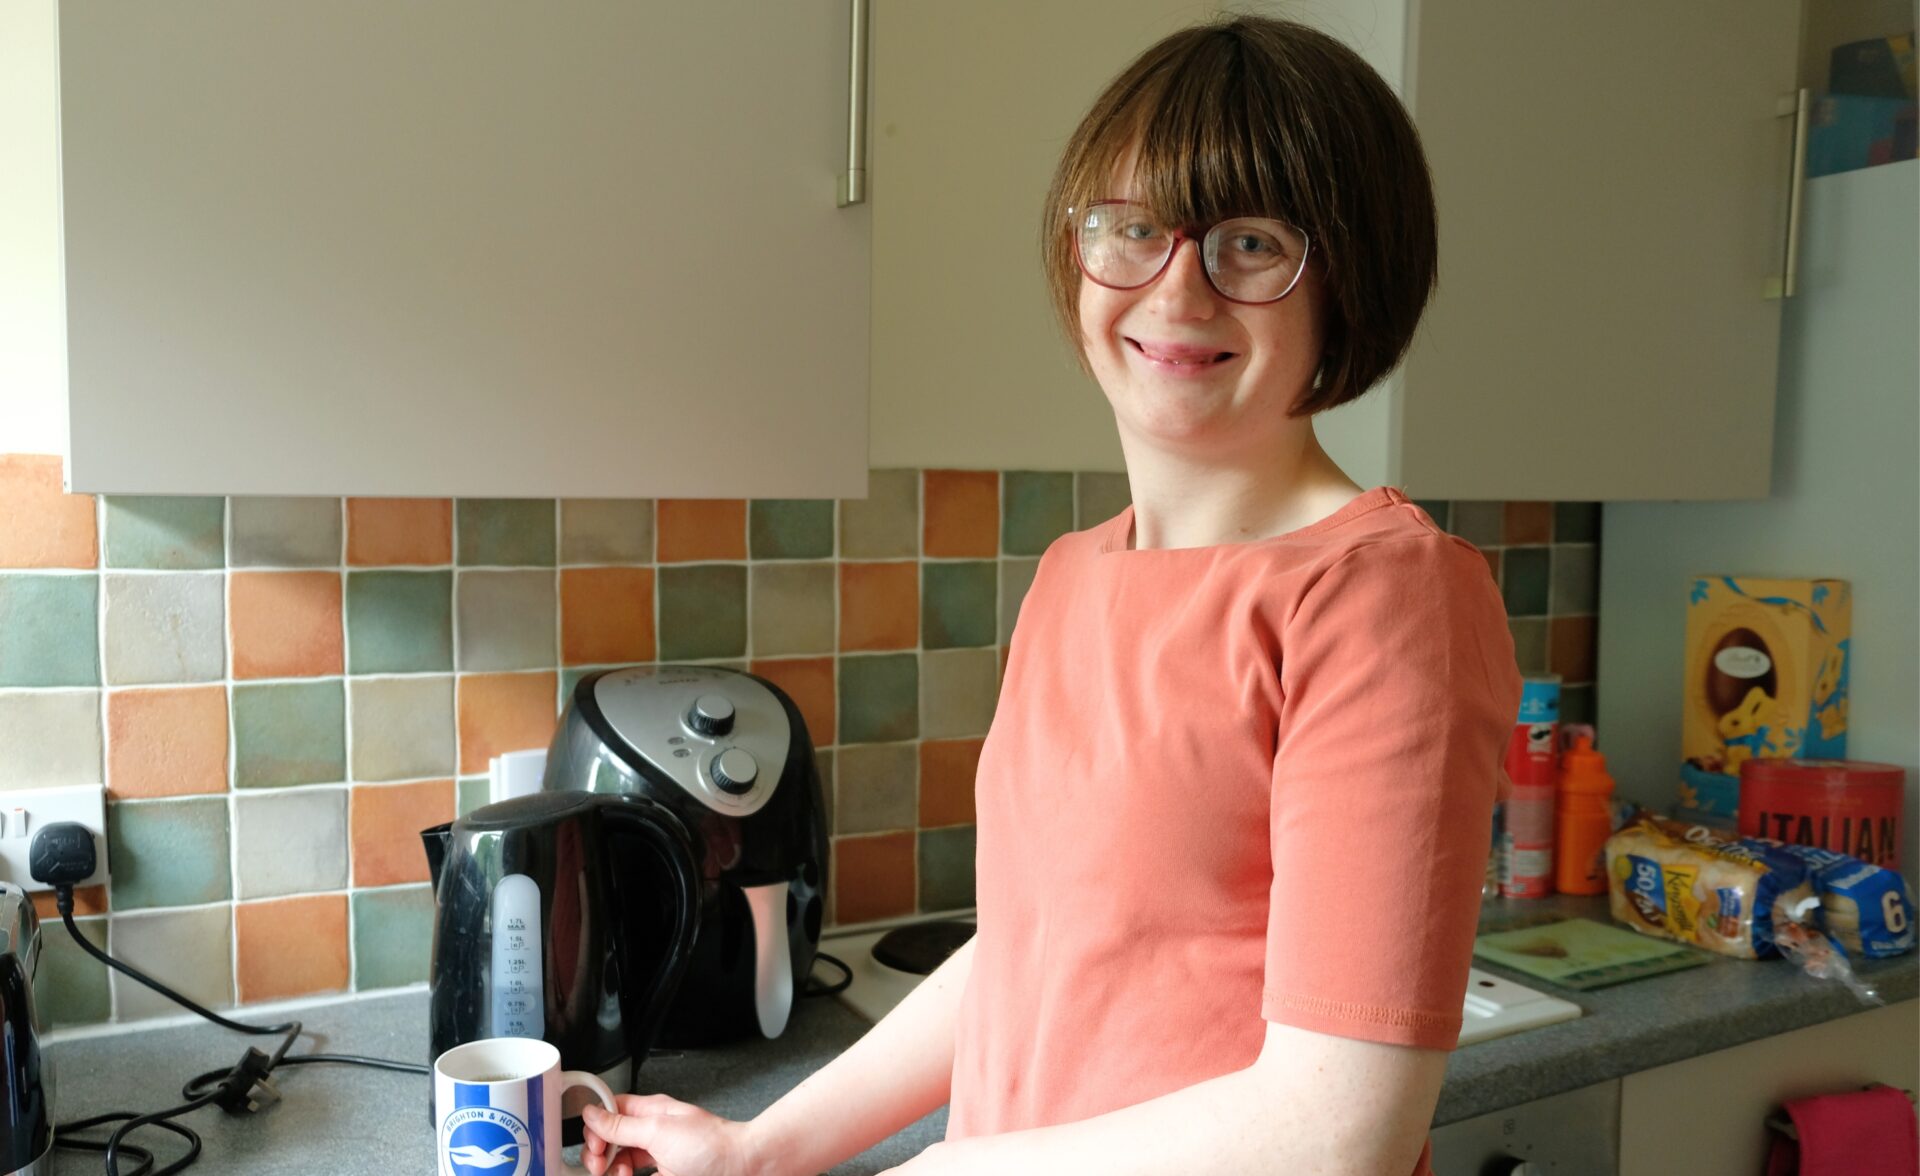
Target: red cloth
x,y
1867,1132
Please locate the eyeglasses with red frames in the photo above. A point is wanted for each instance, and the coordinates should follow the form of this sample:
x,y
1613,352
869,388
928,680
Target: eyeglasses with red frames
x,y
1251,260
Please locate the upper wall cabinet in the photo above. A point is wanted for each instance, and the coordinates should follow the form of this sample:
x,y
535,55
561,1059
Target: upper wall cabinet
x,y
1613,187
447,247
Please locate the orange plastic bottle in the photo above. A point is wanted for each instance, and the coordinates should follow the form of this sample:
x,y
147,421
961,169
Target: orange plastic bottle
x,y
1583,821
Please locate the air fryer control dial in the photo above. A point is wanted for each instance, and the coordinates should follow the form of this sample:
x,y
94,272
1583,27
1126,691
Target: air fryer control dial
x,y
735,770
711,714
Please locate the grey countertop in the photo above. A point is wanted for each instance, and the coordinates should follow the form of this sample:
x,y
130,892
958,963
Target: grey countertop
x,y
367,1122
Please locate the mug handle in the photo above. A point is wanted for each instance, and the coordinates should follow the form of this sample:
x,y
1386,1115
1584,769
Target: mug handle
x,y
572,1078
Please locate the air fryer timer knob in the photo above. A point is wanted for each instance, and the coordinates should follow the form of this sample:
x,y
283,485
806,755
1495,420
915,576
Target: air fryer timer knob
x,y
711,714
735,770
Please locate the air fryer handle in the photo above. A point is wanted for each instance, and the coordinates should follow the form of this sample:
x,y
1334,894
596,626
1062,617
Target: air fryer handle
x,y
642,1012
772,957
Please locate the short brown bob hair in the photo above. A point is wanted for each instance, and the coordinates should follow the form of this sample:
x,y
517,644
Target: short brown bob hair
x,y
1258,117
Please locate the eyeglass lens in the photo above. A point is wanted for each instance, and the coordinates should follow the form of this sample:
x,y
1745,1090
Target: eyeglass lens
x,y
1251,259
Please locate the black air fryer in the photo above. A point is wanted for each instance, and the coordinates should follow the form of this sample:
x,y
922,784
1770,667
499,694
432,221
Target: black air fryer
x,y
26,1083
728,754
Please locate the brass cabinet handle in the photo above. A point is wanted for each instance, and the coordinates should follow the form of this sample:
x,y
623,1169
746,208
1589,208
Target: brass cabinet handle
x,y
853,183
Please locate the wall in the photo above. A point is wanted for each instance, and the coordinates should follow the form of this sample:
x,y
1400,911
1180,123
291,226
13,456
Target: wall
x,y
33,380
280,693
1845,500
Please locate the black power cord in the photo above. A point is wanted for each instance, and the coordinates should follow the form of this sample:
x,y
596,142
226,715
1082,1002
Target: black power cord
x,y
62,855
815,988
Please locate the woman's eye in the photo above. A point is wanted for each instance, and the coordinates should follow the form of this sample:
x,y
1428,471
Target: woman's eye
x,y
1253,244
1138,231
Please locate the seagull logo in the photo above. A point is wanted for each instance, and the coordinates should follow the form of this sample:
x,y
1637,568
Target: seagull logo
x,y
476,1157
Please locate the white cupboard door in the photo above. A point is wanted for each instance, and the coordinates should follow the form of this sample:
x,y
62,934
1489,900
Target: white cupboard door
x,y
1611,181
973,104
470,247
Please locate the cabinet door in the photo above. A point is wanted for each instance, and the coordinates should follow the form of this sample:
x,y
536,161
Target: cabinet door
x,y
456,247
973,103
1612,187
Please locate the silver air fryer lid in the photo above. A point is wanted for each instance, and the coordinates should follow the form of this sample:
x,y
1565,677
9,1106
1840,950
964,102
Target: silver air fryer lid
x,y
722,736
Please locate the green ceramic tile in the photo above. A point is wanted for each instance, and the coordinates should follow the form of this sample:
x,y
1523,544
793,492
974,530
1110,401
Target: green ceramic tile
x,y
168,853
1482,524
504,532
392,937
1035,509
1576,704
71,988
1576,522
957,603
879,698
402,727
703,611
570,679
946,868
886,523
1575,580
1529,644
1523,581
289,733
49,633
471,794
286,532
1436,509
192,949
179,534
790,528
1099,497
1016,576
399,622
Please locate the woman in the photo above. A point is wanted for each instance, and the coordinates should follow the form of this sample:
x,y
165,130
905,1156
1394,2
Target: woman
x,y
1235,803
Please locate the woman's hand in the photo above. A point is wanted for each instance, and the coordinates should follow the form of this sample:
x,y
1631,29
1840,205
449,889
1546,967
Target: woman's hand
x,y
678,1138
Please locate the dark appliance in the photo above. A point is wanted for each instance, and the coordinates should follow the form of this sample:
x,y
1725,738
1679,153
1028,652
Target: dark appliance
x,y
26,1135
729,755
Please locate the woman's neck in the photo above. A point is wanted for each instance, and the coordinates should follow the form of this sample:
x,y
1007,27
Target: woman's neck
x,y
1178,502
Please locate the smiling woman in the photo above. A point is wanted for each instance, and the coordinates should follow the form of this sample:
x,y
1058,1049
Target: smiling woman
x,y
1234,806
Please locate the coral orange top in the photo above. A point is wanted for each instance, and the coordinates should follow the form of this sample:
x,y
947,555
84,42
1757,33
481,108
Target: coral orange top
x,y
1229,783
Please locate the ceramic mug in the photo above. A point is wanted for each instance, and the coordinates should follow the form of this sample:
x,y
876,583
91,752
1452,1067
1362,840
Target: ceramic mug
x,y
497,1108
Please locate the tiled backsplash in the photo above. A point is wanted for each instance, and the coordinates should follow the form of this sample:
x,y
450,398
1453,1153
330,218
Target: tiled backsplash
x,y
280,693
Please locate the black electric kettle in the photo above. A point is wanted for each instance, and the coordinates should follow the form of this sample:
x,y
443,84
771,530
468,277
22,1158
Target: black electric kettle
x,y
562,916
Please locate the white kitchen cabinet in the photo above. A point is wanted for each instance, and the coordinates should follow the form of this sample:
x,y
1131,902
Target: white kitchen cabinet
x,y
1706,1116
446,247
1612,183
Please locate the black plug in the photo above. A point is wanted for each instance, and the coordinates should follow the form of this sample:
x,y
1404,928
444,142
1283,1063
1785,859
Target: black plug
x,y
61,856
247,1087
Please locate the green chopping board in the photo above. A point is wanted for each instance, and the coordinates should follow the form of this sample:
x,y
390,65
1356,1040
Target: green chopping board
x,y
1582,954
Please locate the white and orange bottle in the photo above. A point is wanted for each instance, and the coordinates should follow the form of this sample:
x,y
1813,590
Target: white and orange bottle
x,y
1584,820
1533,764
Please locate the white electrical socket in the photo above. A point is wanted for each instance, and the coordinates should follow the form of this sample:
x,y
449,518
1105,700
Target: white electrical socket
x,y
28,810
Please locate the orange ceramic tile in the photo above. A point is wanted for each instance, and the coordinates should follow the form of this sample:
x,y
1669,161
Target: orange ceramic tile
x,y
170,741
292,946
41,526
606,615
690,529
503,712
962,513
809,682
1570,648
947,768
385,822
879,605
1527,523
383,532
873,877
285,624
88,900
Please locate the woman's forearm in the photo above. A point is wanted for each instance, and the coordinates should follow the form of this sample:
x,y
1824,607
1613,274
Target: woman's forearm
x,y
900,1071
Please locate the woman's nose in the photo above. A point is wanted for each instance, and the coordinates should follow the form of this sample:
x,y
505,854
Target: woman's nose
x,y
1183,290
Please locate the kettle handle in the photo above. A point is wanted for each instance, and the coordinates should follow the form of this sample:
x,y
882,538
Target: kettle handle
x,y
660,828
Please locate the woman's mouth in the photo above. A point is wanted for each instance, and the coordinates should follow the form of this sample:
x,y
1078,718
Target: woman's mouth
x,y
1180,357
